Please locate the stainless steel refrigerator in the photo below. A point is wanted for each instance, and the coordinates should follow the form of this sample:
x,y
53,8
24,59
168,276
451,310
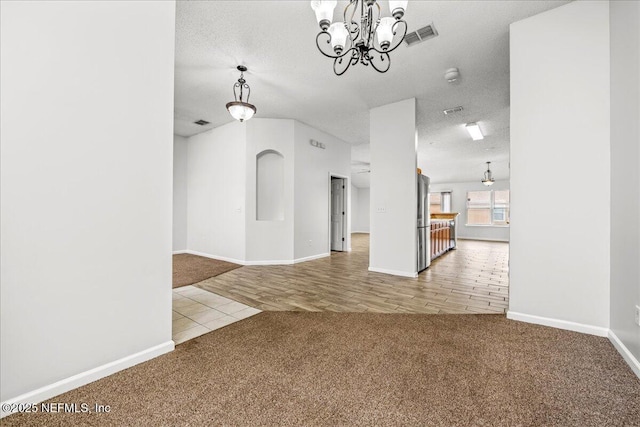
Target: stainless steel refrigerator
x,y
424,223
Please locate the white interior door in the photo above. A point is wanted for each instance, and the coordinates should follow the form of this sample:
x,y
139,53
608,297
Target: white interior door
x,y
337,214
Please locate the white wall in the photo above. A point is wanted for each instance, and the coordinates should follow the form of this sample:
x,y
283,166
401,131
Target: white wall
x,y
85,191
355,191
393,188
216,181
363,214
222,200
559,251
269,241
625,179
459,204
179,193
313,188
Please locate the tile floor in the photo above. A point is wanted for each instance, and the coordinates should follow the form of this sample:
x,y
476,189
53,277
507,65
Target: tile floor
x,y
474,278
196,312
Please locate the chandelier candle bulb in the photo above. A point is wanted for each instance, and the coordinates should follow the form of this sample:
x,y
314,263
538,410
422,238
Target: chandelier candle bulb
x,y
385,32
324,12
339,35
398,8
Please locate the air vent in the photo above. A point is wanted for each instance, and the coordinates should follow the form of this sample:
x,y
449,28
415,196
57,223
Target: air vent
x,y
420,35
452,110
201,122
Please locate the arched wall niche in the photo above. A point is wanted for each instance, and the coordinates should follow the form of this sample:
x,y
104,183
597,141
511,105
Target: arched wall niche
x,y
269,186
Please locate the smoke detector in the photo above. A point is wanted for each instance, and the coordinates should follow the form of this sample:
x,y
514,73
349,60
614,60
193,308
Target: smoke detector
x,y
451,75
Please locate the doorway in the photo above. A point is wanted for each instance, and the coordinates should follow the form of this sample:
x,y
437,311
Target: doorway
x,y
338,213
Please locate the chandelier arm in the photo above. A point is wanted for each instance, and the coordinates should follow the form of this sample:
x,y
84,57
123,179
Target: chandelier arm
x,y
354,30
350,24
246,86
373,28
235,96
391,49
362,57
368,27
353,3
328,55
362,21
382,59
354,55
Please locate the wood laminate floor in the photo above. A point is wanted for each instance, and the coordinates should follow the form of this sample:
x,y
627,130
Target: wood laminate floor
x,y
471,279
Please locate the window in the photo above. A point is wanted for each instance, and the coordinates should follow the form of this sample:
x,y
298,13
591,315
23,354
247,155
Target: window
x,y
440,202
501,207
488,207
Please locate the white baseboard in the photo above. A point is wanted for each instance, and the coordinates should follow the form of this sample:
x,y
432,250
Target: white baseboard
x,y
484,239
560,324
633,363
394,272
270,262
181,251
258,262
220,258
311,258
43,393
361,232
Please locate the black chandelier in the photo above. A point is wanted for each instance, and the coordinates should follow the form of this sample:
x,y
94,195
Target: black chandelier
x,y
368,39
241,109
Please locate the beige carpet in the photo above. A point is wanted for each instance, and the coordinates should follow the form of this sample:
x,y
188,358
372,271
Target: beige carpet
x,y
286,368
189,269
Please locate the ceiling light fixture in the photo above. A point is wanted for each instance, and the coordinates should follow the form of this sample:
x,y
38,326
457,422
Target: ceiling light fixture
x,y
239,109
488,179
367,39
474,131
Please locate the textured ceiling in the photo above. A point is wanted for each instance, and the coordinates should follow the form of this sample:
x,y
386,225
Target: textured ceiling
x,y
289,78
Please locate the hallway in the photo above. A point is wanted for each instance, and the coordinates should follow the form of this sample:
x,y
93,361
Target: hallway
x,y
471,279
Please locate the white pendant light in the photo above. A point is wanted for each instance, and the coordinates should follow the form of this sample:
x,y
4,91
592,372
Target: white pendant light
x,y
488,179
240,109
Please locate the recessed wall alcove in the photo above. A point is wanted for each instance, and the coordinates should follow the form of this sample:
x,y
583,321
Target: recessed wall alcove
x,y
270,186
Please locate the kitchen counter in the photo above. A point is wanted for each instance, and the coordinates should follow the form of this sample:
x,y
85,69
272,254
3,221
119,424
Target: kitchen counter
x,y
450,216
443,233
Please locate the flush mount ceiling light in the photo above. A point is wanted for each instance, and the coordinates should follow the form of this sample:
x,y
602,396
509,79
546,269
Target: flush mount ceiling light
x,y
240,109
474,131
367,38
488,179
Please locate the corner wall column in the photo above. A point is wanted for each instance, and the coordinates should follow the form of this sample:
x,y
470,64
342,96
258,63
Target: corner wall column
x,y
393,138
